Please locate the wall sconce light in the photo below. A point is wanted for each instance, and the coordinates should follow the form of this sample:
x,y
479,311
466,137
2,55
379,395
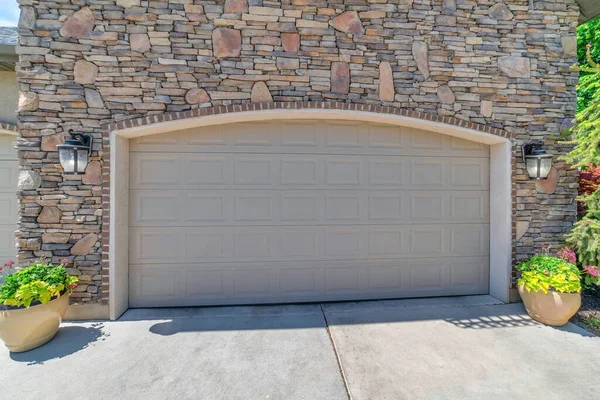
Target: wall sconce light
x,y
74,154
537,161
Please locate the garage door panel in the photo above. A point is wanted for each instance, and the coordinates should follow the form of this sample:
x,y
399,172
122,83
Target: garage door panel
x,y
323,137
154,170
206,170
240,171
300,207
9,170
306,211
8,209
469,239
7,148
255,207
309,243
469,274
299,170
7,242
240,283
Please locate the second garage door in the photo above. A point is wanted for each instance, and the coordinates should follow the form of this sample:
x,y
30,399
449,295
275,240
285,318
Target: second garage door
x,y
306,211
9,167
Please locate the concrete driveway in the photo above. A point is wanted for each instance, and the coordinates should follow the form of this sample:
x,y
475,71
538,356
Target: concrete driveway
x,y
450,348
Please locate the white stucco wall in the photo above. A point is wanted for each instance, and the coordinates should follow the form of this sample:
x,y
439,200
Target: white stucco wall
x,y
9,97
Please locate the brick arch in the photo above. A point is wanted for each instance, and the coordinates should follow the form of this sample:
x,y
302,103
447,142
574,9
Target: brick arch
x,y
316,105
5,127
115,183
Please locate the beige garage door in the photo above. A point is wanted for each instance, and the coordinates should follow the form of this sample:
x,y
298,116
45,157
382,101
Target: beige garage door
x,y
306,211
9,167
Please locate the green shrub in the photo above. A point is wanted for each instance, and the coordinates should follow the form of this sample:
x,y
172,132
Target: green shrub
x,y
544,273
39,282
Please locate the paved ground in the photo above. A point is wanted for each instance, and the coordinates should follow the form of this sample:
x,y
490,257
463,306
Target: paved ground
x,y
452,348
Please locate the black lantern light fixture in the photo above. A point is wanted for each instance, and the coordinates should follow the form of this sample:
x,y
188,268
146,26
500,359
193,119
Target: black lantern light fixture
x,y
537,161
74,154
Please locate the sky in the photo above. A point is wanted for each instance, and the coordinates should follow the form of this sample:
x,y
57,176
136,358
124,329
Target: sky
x,y
9,13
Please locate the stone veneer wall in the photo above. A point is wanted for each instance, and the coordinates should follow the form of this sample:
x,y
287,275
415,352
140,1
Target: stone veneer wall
x,y
87,64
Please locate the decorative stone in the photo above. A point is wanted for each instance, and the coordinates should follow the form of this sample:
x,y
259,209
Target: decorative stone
x,y
473,40
128,3
226,42
28,101
290,42
500,12
197,96
569,44
195,12
139,15
549,185
515,67
420,54
55,237
348,22
236,6
340,77
522,228
84,245
446,95
50,142
487,107
78,25
85,72
49,215
93,98
260,93
564,125
445,20
287,63
139,42
28,18
93,174
387,91
29,180
449,7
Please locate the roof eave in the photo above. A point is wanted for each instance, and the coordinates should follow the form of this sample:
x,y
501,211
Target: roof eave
x,y
589,9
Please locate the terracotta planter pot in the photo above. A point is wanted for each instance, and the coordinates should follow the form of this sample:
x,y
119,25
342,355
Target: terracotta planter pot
x,y
27,328
552,308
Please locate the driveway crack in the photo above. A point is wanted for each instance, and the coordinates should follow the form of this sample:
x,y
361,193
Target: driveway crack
x,y
335,351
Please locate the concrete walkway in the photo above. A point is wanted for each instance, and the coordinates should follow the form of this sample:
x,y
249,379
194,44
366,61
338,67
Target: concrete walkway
x,y
451,348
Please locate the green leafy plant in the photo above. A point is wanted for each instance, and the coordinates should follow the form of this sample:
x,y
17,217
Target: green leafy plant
x,y
544,273
38,283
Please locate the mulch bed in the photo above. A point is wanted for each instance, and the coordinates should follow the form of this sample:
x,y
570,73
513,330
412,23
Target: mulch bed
x,y
588,316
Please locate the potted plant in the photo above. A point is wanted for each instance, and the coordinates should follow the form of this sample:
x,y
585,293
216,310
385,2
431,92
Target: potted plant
x,y
550,287
33,302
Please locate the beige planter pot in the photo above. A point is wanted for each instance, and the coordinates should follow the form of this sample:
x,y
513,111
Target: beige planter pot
x,y
552,308
27,328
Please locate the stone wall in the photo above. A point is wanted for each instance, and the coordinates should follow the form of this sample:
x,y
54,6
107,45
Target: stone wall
x,y
91,63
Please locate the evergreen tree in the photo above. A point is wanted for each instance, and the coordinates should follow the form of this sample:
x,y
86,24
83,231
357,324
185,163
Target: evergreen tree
x,y
585,236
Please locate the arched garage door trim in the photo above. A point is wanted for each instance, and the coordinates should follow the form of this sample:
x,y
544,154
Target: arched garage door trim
x,y
116,141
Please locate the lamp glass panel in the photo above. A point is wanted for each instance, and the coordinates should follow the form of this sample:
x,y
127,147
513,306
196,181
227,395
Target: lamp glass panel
x,y
545,167
532,167
82,160
66,155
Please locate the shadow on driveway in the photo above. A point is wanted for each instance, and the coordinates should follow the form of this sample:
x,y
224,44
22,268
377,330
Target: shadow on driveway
x,y
68,340
474,312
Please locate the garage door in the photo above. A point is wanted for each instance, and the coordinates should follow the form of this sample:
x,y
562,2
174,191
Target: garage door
x,y
306,211
9,167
